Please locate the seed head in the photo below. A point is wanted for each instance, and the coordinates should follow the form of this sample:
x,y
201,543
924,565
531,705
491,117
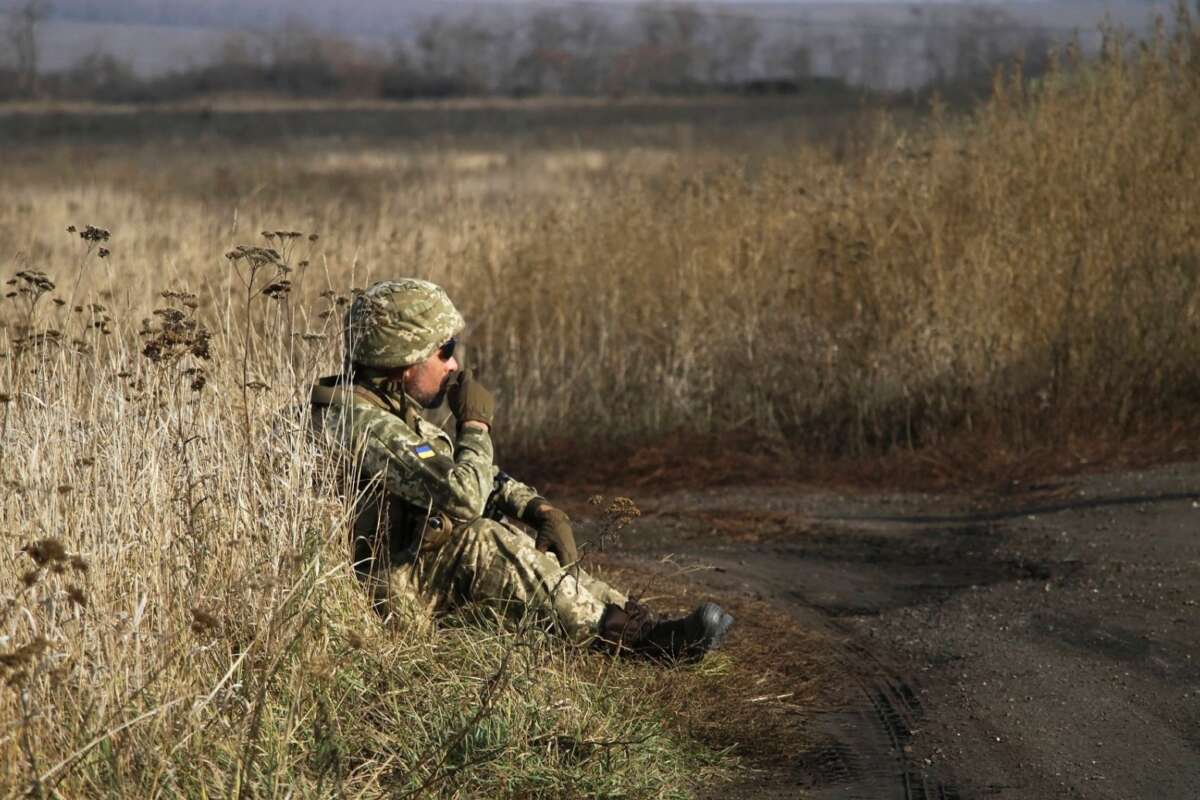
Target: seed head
x,y
46,551
77,596
91,233
202,621
278,289
176,333
23,655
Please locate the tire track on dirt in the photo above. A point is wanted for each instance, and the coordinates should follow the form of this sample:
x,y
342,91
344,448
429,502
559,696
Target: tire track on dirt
x,y
870,745
1054,642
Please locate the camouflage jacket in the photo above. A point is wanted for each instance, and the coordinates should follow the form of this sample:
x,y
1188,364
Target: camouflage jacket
x,y
388,445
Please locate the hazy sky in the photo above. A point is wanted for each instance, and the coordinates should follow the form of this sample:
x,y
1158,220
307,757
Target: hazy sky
x,y
158,35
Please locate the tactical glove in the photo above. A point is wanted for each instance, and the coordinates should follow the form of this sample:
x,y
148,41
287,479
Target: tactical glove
x,y
553,528
469,400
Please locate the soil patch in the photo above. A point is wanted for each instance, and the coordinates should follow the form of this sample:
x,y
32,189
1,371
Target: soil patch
x,y
1011,644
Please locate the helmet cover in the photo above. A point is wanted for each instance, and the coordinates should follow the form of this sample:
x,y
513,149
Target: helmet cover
x,y
399,323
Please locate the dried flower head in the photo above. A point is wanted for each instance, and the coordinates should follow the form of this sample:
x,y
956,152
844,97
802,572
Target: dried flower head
x,y
277,289
24,654
46,551
31,282
198,376
203,622
175,334
185,299
621,511
255,257
91,233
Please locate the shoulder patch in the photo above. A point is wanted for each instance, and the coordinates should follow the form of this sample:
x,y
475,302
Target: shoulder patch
x,y
424,450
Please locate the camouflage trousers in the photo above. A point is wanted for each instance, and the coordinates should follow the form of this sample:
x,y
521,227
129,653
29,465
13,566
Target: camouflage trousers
x,y
491,564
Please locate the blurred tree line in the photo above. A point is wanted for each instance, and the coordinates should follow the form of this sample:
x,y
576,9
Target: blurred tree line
x,y
657,48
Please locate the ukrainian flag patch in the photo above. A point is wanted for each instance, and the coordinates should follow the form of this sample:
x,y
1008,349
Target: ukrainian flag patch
x,y
424,451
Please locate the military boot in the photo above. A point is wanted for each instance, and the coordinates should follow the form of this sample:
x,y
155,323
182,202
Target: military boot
x,y
641,631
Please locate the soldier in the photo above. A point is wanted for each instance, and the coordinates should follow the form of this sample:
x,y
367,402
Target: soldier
x,y
430,529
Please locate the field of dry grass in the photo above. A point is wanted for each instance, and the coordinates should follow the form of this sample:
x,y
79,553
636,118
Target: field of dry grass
x,y
176,616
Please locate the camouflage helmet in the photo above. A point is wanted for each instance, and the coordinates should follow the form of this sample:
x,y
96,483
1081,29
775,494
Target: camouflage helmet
x,y
398,323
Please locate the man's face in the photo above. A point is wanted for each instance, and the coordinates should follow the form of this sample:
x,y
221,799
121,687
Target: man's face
x,y
427,381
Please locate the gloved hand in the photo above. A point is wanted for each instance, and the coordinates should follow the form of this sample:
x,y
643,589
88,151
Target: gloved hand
x,y
553,528
469,400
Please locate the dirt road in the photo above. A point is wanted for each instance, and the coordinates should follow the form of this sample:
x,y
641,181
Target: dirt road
x,y
1039,644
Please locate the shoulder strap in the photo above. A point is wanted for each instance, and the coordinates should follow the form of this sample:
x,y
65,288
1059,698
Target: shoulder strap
x,y
330,389
363,393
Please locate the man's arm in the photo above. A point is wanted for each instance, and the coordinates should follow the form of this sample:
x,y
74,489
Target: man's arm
x,y
554,532
510,496
413,470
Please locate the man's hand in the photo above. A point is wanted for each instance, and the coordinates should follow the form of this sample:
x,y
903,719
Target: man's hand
x,y
553,528
470,401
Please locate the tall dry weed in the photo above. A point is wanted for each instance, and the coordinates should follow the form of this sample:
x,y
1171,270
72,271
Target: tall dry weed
x,y
177,614
1030,270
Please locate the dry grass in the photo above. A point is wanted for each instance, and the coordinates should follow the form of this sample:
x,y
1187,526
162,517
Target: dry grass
x,y
1025,274
178,618
1031,274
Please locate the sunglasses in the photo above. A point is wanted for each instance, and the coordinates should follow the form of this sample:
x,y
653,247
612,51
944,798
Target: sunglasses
x,y
446,351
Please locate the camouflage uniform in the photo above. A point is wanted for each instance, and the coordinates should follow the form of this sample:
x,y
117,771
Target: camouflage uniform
x,y
422,541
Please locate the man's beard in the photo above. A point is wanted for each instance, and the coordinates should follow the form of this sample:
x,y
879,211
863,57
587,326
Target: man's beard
x,y
441,393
